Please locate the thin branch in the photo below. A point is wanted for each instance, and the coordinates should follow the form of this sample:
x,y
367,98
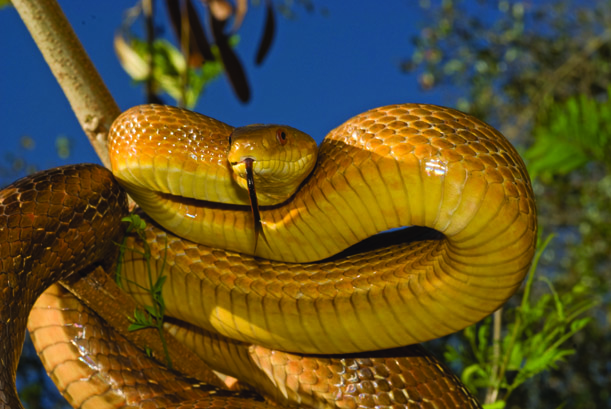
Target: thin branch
x,y
149,28
185,46
89,98
493,390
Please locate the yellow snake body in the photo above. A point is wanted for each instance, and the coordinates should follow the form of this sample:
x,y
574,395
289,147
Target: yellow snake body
x,y
390,167
305,286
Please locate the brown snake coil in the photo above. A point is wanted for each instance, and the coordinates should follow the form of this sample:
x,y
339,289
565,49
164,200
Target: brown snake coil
x,y
33,209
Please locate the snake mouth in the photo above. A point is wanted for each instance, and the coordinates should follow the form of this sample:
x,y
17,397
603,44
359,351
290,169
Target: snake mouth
x,y
248,161
250,175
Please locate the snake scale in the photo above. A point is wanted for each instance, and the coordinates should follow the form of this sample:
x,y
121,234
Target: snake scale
x,y
306,286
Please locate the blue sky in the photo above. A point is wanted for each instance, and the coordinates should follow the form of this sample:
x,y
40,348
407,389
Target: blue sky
x,y
321,70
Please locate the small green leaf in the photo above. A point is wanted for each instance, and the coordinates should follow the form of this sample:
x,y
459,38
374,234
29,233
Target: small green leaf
x,y
471,373
499,404
142,318
151,310
158,286
577,325
151,316
572,134
137,327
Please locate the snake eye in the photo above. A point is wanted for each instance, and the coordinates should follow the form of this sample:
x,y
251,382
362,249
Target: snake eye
x,y
229,140
281,136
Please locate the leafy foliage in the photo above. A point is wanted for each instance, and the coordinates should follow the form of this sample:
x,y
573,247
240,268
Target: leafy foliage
x,y
152,316
206,46
533,343
572,134
541,72
505,60
170,72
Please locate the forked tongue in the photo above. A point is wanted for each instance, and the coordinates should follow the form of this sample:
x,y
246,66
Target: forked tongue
x,y
252,194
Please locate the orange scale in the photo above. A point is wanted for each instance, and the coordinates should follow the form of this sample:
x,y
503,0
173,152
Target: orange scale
x,y
408,118
421,112
451,156
465,150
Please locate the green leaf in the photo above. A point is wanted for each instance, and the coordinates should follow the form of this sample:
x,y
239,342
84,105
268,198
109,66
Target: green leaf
x,y
141,318
152,315
572,134
135,222
517,356
579,324
158,286
499,404
137,327
471,374
170,74
533,340
152,311
451,354
554,156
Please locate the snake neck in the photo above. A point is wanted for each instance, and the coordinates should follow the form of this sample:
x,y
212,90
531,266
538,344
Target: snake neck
x,y
479,201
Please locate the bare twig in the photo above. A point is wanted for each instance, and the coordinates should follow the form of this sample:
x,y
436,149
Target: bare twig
x,y
493,391
185,46
149,28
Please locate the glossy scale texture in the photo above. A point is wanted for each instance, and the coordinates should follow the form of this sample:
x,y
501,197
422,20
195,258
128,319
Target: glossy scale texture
x,y
393,166
49,226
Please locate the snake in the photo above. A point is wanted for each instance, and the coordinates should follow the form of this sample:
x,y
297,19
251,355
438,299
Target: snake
x,y
304,269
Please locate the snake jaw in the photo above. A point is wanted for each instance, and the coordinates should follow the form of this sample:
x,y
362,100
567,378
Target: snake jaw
x,y
282,158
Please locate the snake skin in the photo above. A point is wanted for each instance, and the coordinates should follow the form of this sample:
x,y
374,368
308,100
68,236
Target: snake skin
x,y
50,231
49,225
389,167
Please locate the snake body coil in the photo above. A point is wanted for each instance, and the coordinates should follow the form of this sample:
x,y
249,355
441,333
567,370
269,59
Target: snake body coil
x,y
396,166
49,230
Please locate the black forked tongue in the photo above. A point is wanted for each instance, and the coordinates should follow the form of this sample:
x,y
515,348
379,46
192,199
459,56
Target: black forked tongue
x,y
254,204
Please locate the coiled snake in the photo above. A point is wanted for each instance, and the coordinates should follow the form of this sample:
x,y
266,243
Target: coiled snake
x,y
303,292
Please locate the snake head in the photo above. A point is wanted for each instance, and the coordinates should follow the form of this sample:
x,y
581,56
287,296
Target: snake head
x,y
281,157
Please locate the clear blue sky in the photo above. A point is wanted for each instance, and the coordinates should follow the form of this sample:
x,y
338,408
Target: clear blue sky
x,y
322,69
